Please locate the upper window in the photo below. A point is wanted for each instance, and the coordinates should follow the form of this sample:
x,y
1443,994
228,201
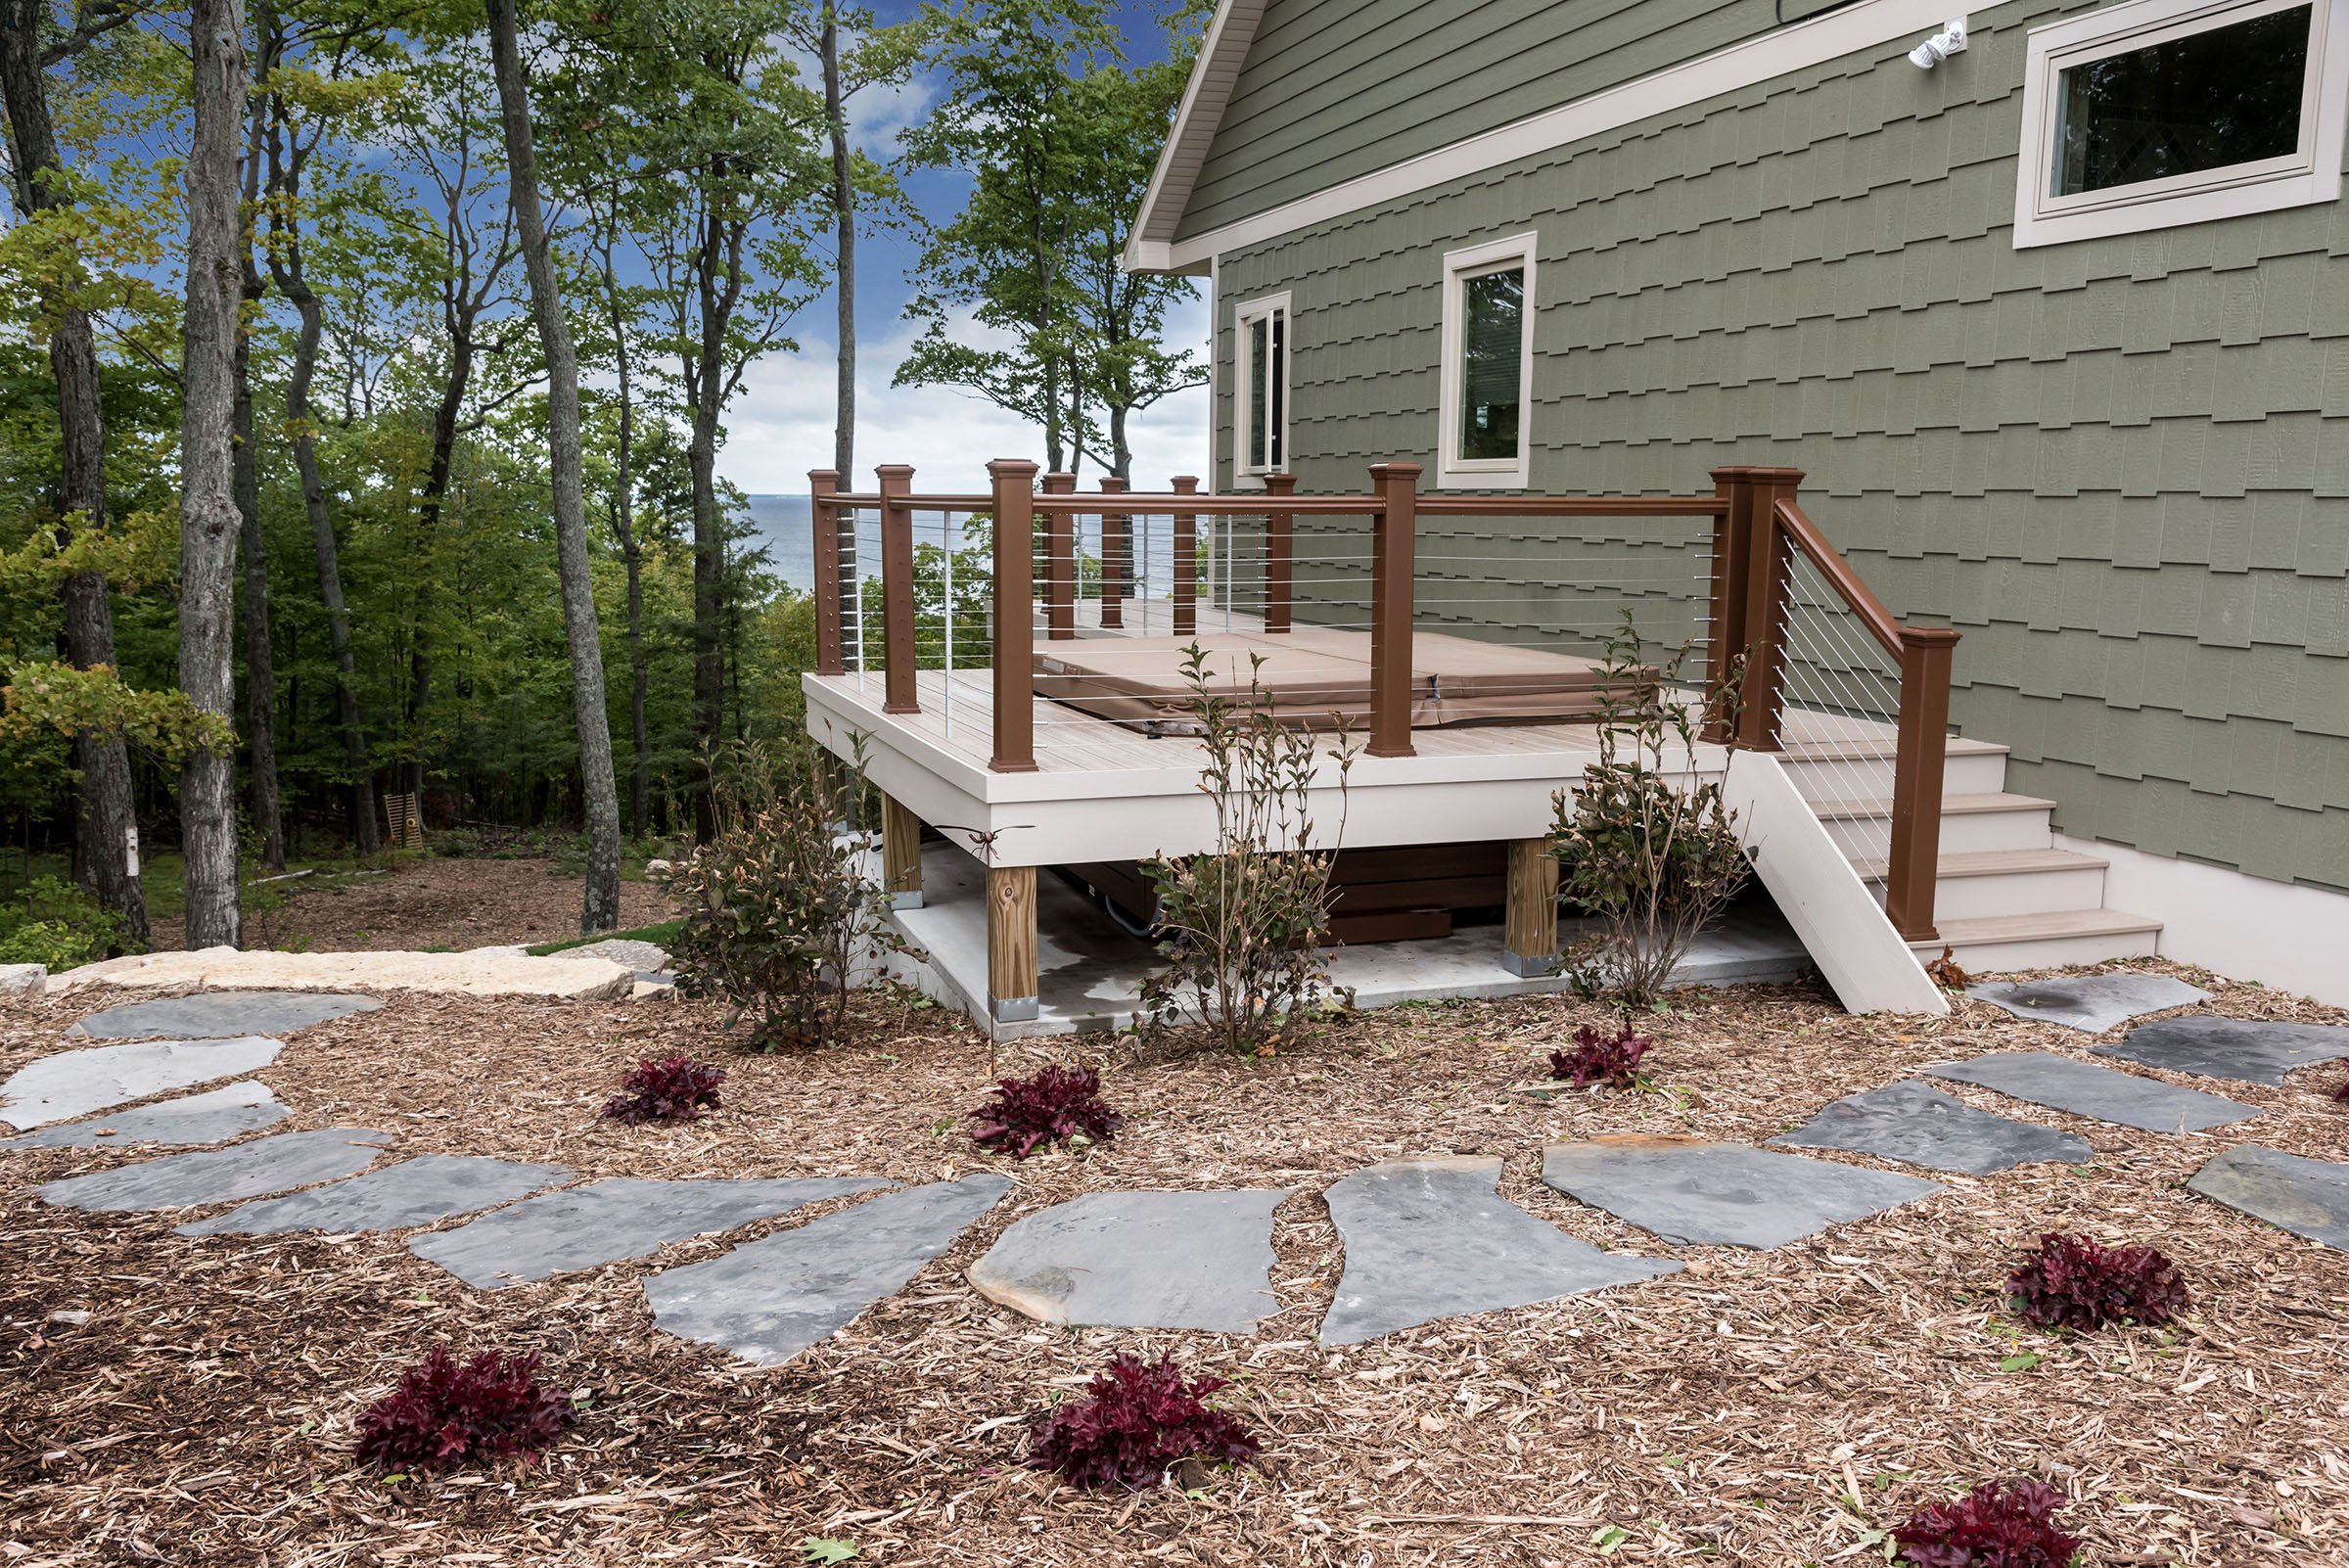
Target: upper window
x,y
1263,385
1488,365
2166,111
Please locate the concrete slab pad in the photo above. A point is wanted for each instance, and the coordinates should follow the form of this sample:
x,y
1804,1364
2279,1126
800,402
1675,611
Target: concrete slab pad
x,y
213,1116
413,1192
2251,1051
771,1299
1916,1124
604,1222
216,1014
459,974
2066,1083
1140,1260
1432,1239
97,1078
275,1164
1720,1194
2305,1197
2093,1004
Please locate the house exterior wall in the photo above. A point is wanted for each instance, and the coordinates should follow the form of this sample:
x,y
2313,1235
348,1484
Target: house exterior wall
x,y
2120,466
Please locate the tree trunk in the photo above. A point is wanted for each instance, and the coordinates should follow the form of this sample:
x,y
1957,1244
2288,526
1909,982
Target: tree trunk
x,y
103,818
601,910
631,552
261,676
208,521
428,527
844,273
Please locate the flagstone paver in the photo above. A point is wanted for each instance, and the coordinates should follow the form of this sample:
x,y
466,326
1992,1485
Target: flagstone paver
x,y
771,1299
413,1192
2066,1083
278,1163
217,1014
2252,1050
1690,1190
97,1078
604,1222
2305,1197
2093,1004
213,1116
1432,1239
1140,1260
1916,1124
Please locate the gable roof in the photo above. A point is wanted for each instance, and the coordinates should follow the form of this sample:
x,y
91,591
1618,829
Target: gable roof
x,y
1230,32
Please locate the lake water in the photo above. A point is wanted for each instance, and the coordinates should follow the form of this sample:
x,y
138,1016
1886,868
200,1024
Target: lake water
x,y
785,527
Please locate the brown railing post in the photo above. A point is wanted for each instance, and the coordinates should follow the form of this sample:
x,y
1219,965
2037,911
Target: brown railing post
x,y
1731,533
1187,561
1749,598
1916,780
1014,636
1060,562
1392,547
896,591
1114,534
1279,551
823,484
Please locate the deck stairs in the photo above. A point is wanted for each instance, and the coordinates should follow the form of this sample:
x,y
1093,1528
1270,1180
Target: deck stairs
x,y
2005,896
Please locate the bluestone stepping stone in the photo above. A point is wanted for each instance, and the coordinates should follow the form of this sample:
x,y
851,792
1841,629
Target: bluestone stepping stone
x,y
771,1299
1140,1260
1432,1239
275,1164
216,1014
2093,1004
72,1084
623,1217
2065,1084
2253,1050
413,1192
213,1116
1690,1190
2305,1197
1918,1124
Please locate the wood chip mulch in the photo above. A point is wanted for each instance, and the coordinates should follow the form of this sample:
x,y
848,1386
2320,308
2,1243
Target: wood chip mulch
x,y
1758,1407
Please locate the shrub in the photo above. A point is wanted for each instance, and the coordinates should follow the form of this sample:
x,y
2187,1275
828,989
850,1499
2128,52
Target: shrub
x,y
2073,1282
1133,1423
1996,1525
445,1413
1244,923
55,923
1654,857
673,1088
1596,1058
779,910
1057,1103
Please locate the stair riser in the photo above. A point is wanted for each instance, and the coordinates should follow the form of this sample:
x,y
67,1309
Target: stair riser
x,y
1981,774
2001,957
2024,828
2024,892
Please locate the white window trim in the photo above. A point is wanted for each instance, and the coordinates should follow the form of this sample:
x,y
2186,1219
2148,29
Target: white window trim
x,y
2310,173
1244,475
1484,472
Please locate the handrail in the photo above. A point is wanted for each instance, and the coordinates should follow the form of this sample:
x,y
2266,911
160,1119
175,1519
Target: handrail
x,y
1879,621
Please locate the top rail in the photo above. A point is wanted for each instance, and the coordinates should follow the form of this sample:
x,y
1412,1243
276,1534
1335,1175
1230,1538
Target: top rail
x,y
1880,622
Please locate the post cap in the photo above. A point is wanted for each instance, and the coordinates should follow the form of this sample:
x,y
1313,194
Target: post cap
x,y
1057,482
1185,483
894,471
827,478
1402,469
1111,483
1003,467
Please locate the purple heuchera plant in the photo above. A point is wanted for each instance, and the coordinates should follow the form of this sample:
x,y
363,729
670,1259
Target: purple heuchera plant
x,y
674,1088
2073,1282
1596,1058
1996,1525
1057,1103
1133,1423
445,1413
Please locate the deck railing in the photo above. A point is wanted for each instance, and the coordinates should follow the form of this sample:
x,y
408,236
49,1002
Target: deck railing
x,y
1779,609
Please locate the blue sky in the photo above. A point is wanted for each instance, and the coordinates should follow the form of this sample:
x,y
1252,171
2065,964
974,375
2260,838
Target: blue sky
x,y
780,426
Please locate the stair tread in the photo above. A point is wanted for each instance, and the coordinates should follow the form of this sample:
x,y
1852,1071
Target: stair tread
x,y
1989,864
1951,805
2037,927
1858,751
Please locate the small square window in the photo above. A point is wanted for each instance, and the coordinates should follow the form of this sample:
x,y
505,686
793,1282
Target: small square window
x,y
1263,411
1488,365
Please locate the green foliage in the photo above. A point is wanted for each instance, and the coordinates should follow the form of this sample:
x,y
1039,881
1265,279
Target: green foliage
x,y
72,702
55,923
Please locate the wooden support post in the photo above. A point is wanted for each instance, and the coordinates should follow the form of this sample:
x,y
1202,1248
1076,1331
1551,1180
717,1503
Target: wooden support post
x,y
1279,553
1060,562
1187,561
1014,631
1732,533
823,484
1116,537
896,591
1011,944
1392,548
1529,946
901,854
1916,780
1749,574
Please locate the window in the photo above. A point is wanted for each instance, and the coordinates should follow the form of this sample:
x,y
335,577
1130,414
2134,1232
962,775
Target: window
x,y
2166,111
1488,365
1262,415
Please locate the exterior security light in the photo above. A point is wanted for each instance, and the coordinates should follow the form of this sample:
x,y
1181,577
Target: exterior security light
x,y
1951,40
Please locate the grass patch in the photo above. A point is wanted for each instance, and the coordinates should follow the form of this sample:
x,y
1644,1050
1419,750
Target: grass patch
x,y
660,934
